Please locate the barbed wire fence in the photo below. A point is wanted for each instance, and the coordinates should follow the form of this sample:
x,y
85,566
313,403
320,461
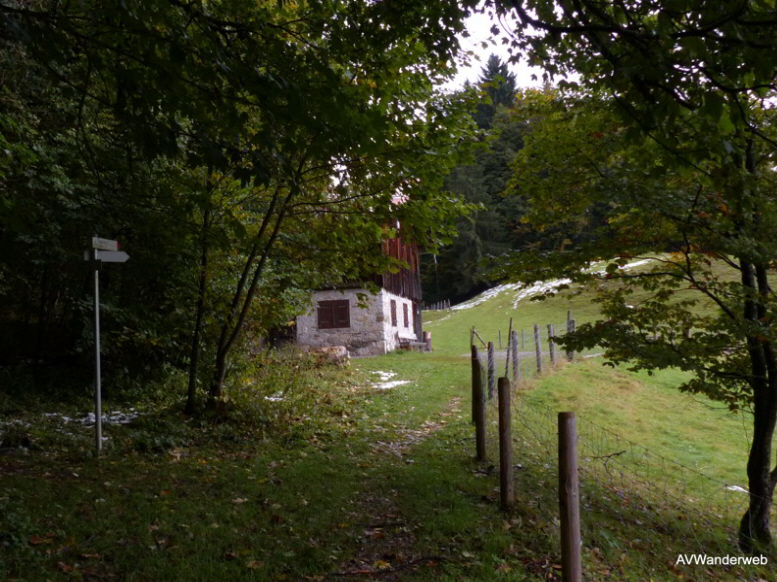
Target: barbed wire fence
x,y
625,487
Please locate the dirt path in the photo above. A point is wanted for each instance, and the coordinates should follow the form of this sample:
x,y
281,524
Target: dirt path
x,y
385,538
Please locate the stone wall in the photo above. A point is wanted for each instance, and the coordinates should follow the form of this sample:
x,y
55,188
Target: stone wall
x,y
371,332
392,335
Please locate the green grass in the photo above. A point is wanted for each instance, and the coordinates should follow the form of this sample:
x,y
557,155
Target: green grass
x,y
450,329
350,483
644,409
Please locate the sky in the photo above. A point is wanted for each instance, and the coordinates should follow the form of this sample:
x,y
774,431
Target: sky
x,y
478,26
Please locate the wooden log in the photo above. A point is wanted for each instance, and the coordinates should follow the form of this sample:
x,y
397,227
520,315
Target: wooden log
x,y
516,359
551,345
479,408
428,340
538,348
491,371
569,498
505,446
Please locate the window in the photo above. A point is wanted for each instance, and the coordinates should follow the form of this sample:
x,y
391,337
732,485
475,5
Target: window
x,y
404,312
334,314
393,313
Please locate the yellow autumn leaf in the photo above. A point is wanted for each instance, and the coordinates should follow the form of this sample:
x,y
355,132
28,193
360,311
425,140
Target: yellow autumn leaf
x,y
381,565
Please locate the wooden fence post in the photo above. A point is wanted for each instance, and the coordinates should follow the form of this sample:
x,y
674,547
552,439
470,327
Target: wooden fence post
x,y
516,361
538,348
499,331
569,498
523,340
472,336
491,371
509,346
505,445
478,407
551,345
476,379
570,329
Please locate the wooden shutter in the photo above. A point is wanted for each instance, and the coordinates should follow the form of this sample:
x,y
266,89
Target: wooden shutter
x,y
342,313
404,312
393,313
334,314
325,315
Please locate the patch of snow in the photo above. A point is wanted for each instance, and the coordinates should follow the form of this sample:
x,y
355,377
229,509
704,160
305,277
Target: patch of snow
x,y
117,417
384,375
599,271
736,488
486,295
386,382
536,288
390,385
277,397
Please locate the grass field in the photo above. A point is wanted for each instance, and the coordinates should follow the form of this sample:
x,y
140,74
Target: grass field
x,y
384,487
450,329
342,480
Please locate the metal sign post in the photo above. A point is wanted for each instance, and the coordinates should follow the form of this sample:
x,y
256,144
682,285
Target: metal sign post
x,y
98,407
103,250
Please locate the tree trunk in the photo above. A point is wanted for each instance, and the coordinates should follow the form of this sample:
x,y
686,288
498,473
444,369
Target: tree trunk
x,y
242,304
195,349
754,531
218,378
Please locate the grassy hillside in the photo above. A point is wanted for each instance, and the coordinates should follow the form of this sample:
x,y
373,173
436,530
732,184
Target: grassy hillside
x,y
690,429
649,410
638,434
490,312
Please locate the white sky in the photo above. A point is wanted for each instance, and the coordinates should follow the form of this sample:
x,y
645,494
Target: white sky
x,y
478,26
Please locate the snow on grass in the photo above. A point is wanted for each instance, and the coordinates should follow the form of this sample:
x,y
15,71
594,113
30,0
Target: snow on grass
x,y
68,425
117,417
386,382
735,488
539,288
536,288
486,295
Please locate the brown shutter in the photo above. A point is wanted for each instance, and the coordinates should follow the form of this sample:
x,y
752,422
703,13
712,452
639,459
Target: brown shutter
x,y
404,312
333,314
325,315
342,314
393,313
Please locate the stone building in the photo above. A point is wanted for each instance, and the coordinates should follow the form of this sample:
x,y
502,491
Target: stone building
x,y
391,317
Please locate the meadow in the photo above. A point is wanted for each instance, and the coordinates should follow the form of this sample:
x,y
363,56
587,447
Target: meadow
x,y
313,472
